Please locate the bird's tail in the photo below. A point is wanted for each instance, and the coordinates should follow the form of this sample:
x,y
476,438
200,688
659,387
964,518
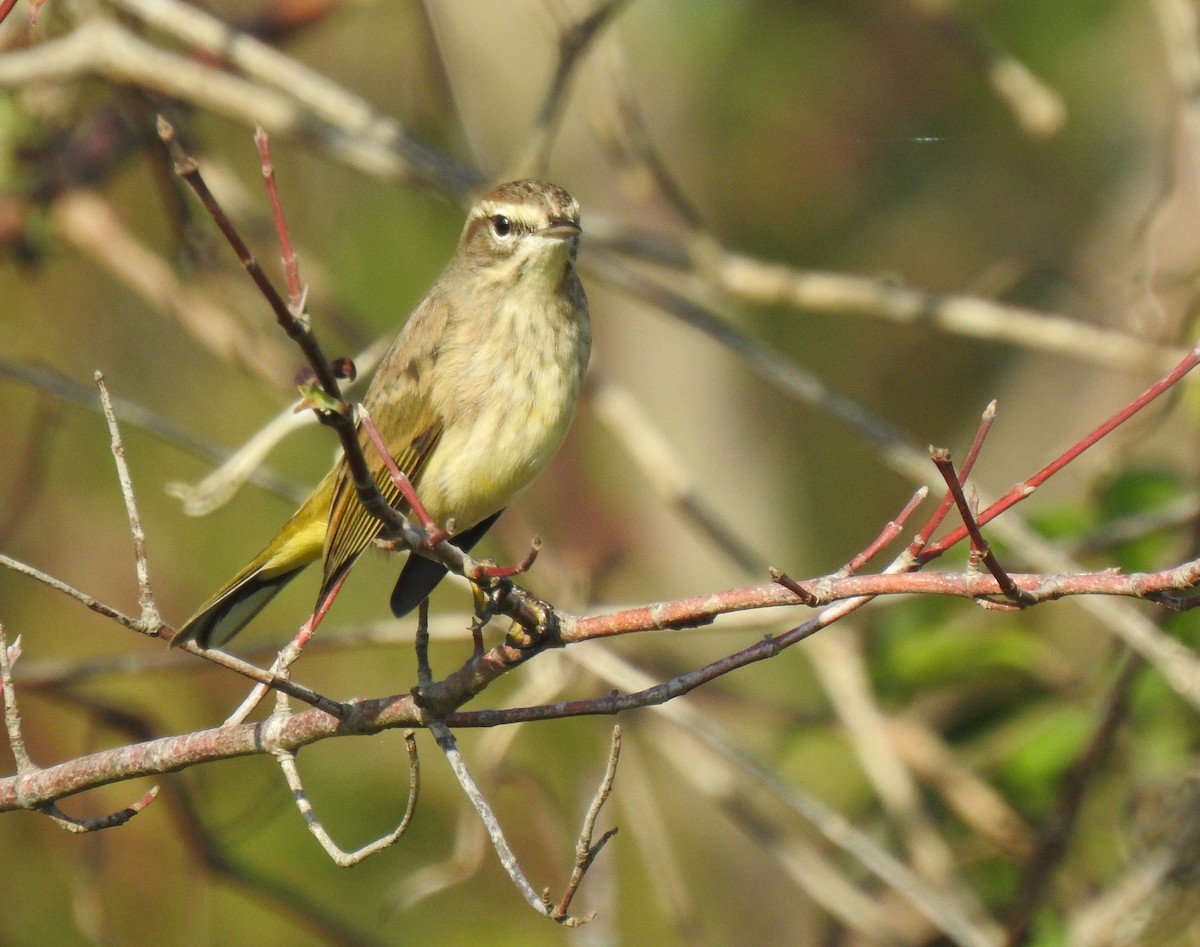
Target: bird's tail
x,y
299,543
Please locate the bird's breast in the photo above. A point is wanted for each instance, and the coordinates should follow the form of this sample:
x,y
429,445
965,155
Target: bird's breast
x,y
507,390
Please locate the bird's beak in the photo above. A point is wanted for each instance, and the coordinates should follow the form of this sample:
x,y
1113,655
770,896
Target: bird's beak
x,y
562,228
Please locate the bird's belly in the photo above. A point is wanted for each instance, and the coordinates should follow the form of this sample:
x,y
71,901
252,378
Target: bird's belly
x,y
479,466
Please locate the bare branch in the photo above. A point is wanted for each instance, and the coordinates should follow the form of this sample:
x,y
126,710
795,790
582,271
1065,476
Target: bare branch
x,y
743,798
658,461
150,615
341,857
445,740
754,281
573,42
12,716
585,850
27,769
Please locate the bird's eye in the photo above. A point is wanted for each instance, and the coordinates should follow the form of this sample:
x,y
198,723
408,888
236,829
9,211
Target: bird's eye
x,y
501,226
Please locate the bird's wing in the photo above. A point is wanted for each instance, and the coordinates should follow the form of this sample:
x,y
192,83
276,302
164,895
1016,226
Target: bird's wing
x,y
400,405
351,527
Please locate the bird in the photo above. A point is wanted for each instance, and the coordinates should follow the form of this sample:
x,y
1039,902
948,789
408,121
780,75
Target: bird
x,y
473,398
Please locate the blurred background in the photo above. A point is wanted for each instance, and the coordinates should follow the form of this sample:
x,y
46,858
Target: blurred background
x,y
969,202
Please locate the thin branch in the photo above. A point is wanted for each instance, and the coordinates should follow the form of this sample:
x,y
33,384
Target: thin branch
x,y
750,280
737,798
297,329
224,481
585,850
840,665
150,616
357,133
886,536
9,655
131,413
445,740
27,769
979,545
266,678
969,796
1160,883
244,464
643,801
6,7
92,226
83,598
659,462
623,128
1026,487
948,499
573,42
339,856
291,267
1038,108
278,677
543,680
29,478
285,97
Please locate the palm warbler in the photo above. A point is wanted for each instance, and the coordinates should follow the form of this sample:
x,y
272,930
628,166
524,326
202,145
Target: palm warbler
x,y
472,399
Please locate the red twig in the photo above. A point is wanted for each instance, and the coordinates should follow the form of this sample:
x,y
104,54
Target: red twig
x,y
981,433
297,329
1026,487
885,537
291,267
488,570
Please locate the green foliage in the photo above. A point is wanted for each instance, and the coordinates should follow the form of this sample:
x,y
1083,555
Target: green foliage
x,y
1036,749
